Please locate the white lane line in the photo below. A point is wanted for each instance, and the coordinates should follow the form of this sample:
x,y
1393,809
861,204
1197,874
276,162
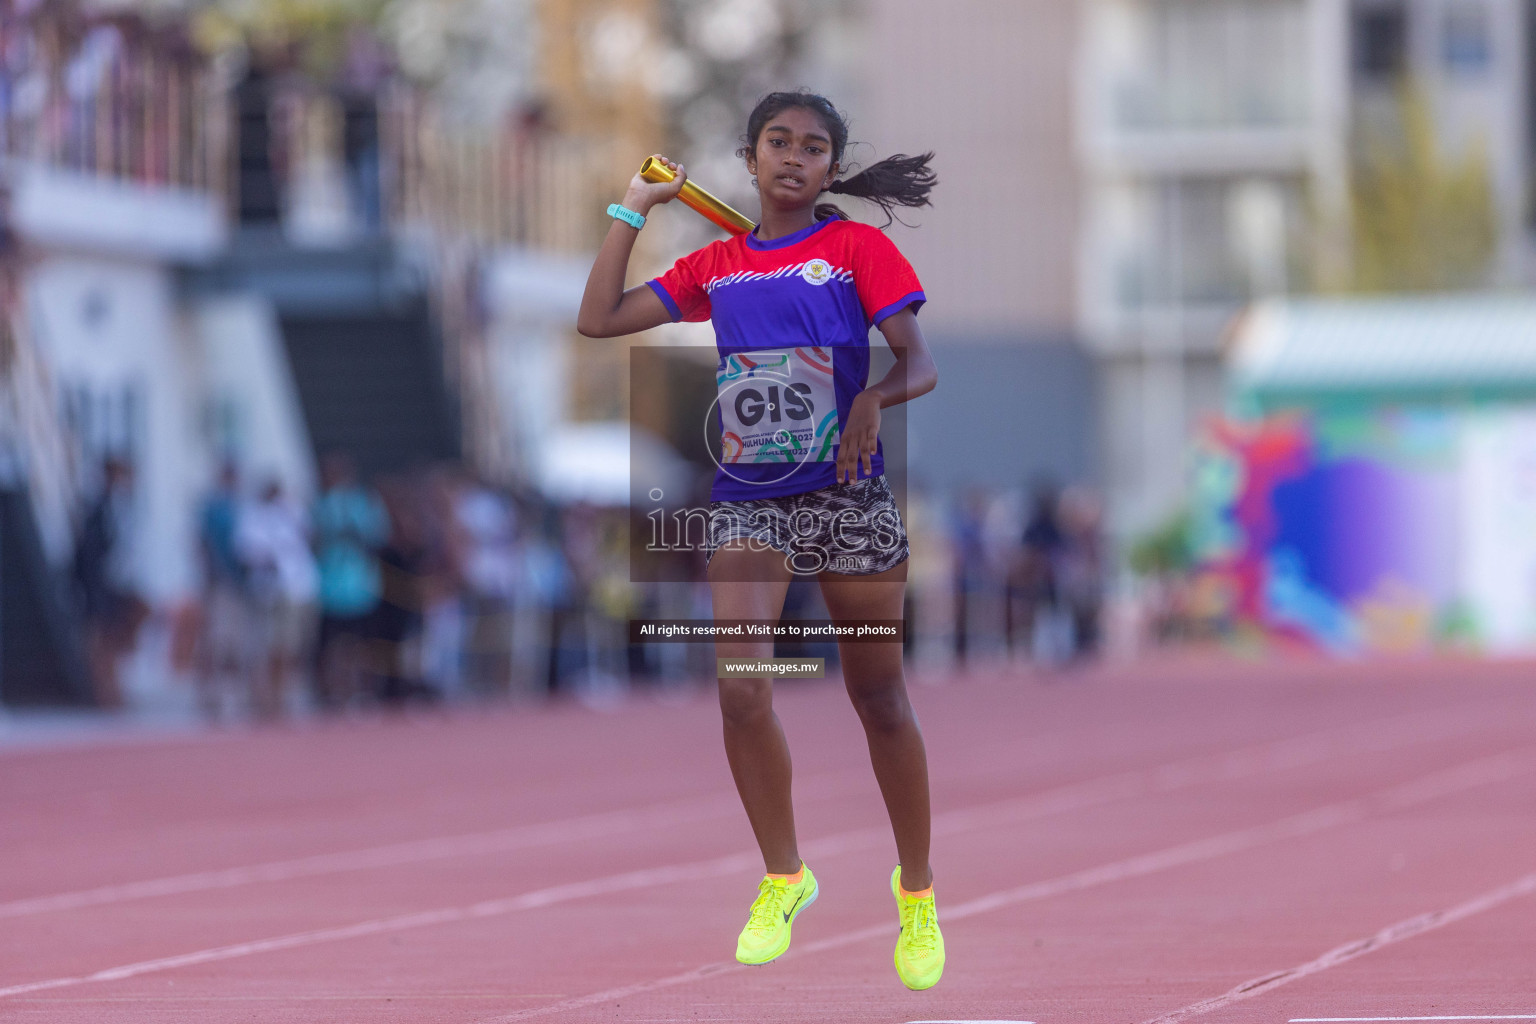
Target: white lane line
x,y
1294,752
1389,935
1485,771
1437,784
1426,788
732,864
403,922
563,830
591,826
1483,1016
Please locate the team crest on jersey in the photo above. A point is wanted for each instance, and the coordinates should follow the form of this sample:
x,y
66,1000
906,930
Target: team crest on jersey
x,y
817,272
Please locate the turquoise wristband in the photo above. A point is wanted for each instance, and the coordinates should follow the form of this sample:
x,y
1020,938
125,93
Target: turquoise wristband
x,y
628,216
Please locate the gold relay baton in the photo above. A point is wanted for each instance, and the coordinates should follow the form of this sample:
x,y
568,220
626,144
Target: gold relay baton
x,y
697,199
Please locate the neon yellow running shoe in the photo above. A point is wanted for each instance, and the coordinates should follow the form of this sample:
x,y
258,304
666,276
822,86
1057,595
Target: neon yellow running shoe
x,y
920,946
779,901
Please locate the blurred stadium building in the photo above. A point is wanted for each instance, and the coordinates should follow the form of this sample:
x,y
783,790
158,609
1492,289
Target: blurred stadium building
x,y
1222,144
256,240
993,98
266,231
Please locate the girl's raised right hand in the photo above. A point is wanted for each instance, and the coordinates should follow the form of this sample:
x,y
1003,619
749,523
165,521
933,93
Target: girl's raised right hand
x,y
642,195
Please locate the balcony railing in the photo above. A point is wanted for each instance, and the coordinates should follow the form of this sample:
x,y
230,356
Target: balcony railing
x,y
109,97
508,184
402,162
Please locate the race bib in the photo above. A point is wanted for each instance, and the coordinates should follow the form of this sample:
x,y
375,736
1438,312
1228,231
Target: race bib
x,y
777,405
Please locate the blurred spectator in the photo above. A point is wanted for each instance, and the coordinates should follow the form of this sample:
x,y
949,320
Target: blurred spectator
x,y
612,600
259,158
350,524
103,570
283,584
10,248
968,532
574,562
1080,567
406,561
545,579
224,648
363,78
486,552
1031,601
930,614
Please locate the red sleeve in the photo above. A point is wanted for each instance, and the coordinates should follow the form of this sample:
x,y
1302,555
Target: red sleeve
x,y
885,280
681,289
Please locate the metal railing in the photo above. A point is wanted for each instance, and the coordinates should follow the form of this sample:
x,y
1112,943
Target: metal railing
x,y
109,96
494,185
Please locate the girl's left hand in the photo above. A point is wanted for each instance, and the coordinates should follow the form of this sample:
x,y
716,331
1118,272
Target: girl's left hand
x,y
860,435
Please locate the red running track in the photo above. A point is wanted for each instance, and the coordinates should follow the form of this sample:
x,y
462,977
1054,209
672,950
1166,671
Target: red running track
x,y
1200,840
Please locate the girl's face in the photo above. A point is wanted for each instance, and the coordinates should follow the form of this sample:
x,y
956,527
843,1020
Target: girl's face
x,y
793,159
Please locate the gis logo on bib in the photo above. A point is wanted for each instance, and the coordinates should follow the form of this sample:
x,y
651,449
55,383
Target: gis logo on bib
x,y
817,272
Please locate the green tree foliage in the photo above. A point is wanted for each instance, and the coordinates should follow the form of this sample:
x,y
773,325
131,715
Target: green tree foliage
x,y
317,29
1419,221
1165,550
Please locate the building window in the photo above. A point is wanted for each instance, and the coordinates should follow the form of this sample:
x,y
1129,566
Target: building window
x,y
1380,33
1219,63
1464,43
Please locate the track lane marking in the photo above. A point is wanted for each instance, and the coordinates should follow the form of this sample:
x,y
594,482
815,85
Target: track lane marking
x,y
1292,752
584,827
1483,1016
1484,771
1437,784
296,997
1390,935
403,922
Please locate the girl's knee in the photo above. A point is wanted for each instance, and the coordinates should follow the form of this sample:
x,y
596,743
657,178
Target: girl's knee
x,y
884,708
745,701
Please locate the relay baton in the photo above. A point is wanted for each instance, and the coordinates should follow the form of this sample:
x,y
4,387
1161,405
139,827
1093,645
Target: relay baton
x,y
697,199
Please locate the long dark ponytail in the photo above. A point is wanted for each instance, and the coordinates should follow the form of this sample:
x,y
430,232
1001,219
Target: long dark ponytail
x,y
898,180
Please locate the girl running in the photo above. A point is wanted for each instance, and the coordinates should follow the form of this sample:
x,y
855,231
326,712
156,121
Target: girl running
x,y
800,488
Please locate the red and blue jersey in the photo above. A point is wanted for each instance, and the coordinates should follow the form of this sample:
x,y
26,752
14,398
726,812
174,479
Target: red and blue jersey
x,y
792,319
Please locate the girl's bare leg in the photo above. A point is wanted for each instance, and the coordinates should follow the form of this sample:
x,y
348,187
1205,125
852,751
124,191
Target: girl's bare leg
x,y
748,584
876,685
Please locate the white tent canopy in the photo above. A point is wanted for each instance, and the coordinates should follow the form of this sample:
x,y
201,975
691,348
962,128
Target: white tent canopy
x,y
1386,343
592,462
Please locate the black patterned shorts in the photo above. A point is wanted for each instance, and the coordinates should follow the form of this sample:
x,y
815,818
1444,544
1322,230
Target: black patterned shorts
x,y
853,529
